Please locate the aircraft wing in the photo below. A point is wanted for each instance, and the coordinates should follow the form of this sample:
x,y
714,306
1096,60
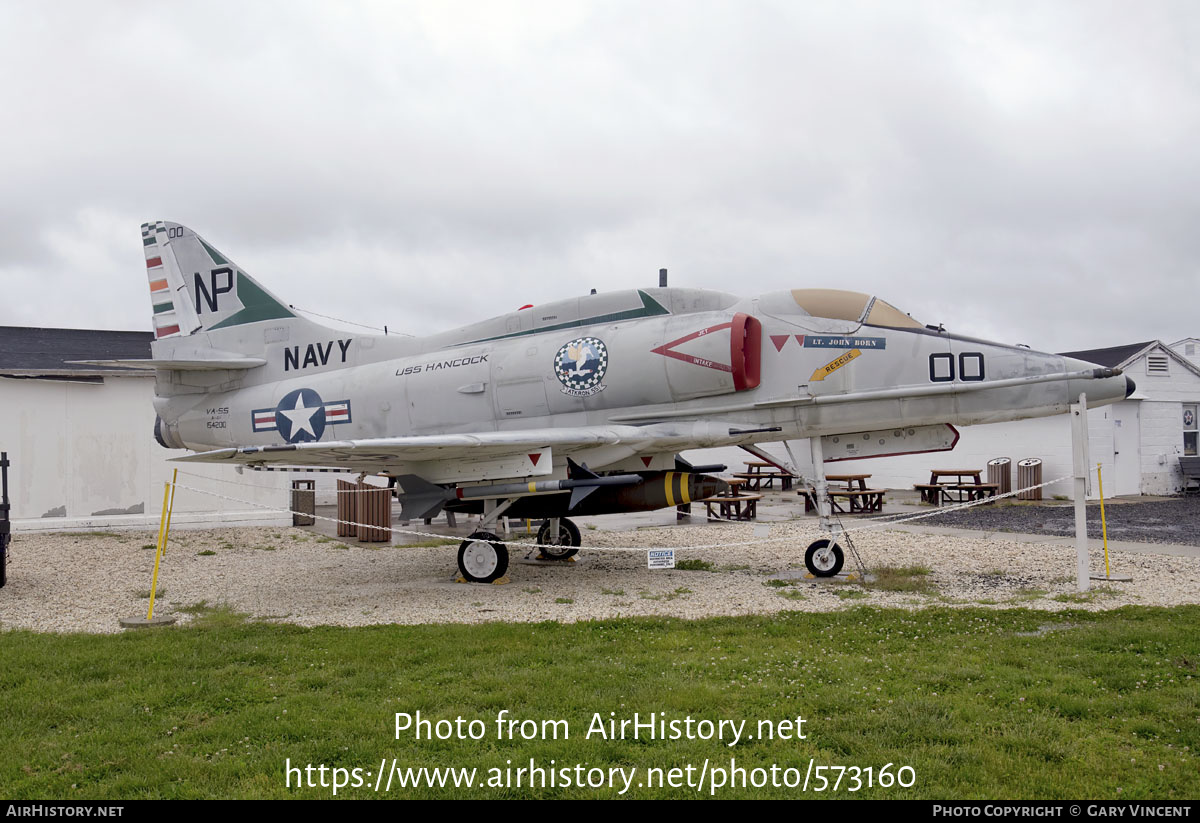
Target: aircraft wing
x,y
446,458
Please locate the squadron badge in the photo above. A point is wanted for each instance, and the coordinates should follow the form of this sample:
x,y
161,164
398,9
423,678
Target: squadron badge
x,y
580,366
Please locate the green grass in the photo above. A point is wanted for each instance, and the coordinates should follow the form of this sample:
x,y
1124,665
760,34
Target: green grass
x,y
980,703
429,544
695,564
902,579
1090,596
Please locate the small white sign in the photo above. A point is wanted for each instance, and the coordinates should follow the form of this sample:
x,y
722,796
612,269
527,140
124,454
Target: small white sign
x,y
660,559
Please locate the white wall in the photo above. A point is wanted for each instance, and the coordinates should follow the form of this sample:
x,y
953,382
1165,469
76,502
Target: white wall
x,y
78,449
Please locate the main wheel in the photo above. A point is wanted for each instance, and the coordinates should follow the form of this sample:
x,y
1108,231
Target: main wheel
x,y
824,558
566,544
482,558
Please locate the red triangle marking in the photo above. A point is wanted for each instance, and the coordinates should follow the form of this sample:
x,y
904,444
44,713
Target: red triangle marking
x,y
646,461
779,340
535,457
800,339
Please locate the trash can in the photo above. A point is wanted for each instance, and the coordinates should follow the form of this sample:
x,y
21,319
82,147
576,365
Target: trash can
x,y
1029,473
304,502
1000,473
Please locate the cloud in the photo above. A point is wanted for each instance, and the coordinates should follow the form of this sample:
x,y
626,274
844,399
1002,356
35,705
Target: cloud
x,y
1025,171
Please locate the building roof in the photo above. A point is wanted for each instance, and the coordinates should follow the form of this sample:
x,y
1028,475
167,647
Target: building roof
x,y
1111,357
26,352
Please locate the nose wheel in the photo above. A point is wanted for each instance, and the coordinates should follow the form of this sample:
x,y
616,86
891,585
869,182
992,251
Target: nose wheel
x,y
824,558
482,558
559,546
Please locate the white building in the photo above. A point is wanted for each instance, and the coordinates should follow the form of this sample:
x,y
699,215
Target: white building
x,y
1138,441
81,441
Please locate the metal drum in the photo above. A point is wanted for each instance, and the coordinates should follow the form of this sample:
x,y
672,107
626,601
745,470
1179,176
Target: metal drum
x,y
1029,473
1000,472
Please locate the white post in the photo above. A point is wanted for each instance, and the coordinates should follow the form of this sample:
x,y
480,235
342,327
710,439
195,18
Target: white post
x,y
1079,450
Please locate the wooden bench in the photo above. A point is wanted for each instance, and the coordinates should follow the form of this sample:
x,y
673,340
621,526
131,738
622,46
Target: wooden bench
x,y
968,492
941,493
1190,466
734,507
860,501
930,493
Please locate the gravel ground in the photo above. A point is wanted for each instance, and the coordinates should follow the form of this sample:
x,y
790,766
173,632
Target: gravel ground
x,y
1162,521
85,582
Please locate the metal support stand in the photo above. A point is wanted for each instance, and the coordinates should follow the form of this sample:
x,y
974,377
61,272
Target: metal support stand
x,y
492,509
1079,450
824,513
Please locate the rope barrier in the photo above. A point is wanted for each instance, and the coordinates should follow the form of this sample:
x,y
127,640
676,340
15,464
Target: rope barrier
x,y
884,521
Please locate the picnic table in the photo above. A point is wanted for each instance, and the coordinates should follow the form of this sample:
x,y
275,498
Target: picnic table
x,y
858,499
734,504
758,476
850,480
966,486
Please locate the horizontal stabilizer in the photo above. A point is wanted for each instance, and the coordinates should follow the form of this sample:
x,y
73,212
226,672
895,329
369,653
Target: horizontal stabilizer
x,y
179,365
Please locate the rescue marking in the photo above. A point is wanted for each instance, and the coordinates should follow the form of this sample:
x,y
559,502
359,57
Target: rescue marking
x,y
833,365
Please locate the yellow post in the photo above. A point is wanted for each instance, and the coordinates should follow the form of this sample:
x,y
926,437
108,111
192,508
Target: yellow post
x,y
170,508
1103,522
162,528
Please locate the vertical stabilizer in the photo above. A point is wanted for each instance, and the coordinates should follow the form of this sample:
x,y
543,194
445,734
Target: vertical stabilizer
x,y
194,288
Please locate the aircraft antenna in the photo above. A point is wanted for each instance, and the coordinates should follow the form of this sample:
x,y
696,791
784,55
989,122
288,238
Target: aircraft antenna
x,y
347,322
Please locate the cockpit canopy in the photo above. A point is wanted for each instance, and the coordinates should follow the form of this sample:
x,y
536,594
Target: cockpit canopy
x,y
852,306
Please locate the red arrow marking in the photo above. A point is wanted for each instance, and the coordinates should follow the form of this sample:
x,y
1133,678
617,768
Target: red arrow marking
x,y
667,349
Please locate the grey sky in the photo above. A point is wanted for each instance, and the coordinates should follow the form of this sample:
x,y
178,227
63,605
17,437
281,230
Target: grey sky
x,y
1026,172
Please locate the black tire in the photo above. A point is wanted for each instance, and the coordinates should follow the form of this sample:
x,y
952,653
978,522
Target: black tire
x,y
824,558
568,535
482,558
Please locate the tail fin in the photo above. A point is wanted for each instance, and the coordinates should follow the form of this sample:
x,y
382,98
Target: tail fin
x,y
194,288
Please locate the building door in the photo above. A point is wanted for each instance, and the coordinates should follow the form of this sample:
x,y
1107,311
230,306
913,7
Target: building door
x,y
1127,449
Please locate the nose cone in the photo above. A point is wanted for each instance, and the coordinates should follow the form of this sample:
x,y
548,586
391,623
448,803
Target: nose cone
x,y
1104,384
705,485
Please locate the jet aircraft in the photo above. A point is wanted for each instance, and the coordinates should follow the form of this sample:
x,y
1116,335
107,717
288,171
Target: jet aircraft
x,y
575,407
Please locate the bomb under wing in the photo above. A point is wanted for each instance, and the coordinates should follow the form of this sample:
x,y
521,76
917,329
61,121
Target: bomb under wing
x,y
643,491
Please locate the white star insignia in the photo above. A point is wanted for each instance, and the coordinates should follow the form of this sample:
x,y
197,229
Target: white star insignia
x,y
301,417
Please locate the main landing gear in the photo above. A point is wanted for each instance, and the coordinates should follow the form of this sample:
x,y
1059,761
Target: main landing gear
x,y
482,558
559,539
